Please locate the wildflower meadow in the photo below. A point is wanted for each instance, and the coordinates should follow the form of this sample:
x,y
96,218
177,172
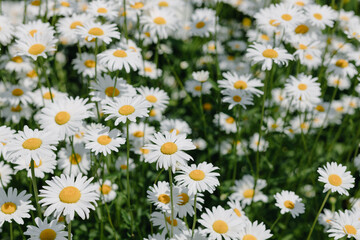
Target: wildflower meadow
x,y
179,119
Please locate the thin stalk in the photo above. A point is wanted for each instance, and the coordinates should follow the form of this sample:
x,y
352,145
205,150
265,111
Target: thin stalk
x,y
194,221
11,231
25,11
69,230
128,175
41,62
125,21
317,215
171,202
276,221
32,166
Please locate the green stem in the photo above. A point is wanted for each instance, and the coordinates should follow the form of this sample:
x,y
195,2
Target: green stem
x,y
171,202
128,175
69,230
194,221
11,231
125,21
25,11
317,215
32,166
276,221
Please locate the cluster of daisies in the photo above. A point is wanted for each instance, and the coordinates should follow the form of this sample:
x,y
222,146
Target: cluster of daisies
x,y
103,103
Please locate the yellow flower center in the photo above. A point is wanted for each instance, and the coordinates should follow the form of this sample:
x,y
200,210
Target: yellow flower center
x,y
249,237
197,88
120,53
109,91
36,49
47,96
320,108
286,17
137,5
102,10
309,57
237,98
301,29
75,158
126,110
32,32
89,63
207,106
163,4
197,175
237,212
289,204
164,198
32,143
169,148
342,63
265,37
246,21
318,16
200,25
76,24
47,234
16,109
17,92
270,53
302,46
184,199
65,4
123,167
35,165
31,74
62,117
273,23
151,98
148,69
105,189
104,139
159,20
240,84
302,86
274,125
300,3
138,134
152,113
230,120
96,31
335,180
17,59
173,222
36,3
349,229
70,195
249,193
177,131
8,208
220,226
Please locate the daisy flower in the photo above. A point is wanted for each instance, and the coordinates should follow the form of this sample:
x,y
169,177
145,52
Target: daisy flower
x,y
149,70
17,94
320,16
237,97
159,195
42,96
46,165
66,26
14,206
288,201
101,8
6,135
45,230
17,64
84,64
196,88
140,131
101,140
303,88
121,163
119,58
105,88
92,30
243,82
326,218
265,54
185,205
7,30
106,190
287,15
159,22
165,223
198,178
342,83
177,125
64,117
244,190
220,223
13,113
254,231
36,46
66,195
336,178
202,23
342,67
155,96
31,145
238,210
74,163
32,27
344,224
5,174
167,150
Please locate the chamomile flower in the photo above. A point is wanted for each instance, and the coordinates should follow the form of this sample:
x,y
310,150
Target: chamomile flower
x,y
244,190
237,209
166,223
159,195
177,125
303,88
201,76
236,97
243,82
227,123
167,150
202,23
342,83
196,88
74,162
274,125
84,64
64,117
342,67
31,145
14,206
288,201
140,131
119,59
106,88
326,218
320,16
46,165
126,109
7,30
17,94
13,113
254,231
34,27
336,178
6,135
101,8
106,190
46,230
198,178
5,174
42,97
287,15
344,224
149,70
92,30
121,164
101,140
220,223
36,46
156,97
66,195
185,205
18,64
67,26
267,55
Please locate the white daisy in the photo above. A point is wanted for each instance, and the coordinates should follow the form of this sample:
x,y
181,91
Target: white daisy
x,y
254,231
73,163
5,174
156,97
344,224
36,46
119,59
288,201
92,30
46,165
106,190
44,230
243,82
177,125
